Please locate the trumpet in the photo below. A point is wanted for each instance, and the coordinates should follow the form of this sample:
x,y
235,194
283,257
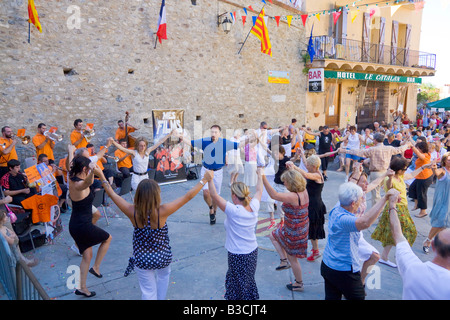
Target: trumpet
x,y
53,136
88,134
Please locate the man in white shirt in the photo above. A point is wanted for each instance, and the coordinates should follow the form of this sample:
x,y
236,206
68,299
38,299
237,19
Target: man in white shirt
x,y
422,280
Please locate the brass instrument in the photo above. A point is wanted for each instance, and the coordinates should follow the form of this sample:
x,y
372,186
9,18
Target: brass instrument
x,y
53,136
88,134
25,139
116,159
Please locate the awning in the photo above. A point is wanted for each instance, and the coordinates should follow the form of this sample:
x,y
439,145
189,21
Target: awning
x,y
344,75
440,105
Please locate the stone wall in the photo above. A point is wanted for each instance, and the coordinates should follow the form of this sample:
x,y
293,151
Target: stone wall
x,y
96,59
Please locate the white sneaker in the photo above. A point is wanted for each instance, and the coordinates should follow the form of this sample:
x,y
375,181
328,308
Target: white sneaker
x,y
75,249
388,263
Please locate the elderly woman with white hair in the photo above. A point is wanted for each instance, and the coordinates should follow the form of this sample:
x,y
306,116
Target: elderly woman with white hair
x,y
341,266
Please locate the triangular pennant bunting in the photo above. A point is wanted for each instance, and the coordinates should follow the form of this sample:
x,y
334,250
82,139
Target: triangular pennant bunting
x,y
353,15
336,16
394,9
277,19
304,17
289,19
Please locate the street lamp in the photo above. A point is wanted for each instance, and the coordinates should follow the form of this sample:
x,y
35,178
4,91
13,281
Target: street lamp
x,y
226,23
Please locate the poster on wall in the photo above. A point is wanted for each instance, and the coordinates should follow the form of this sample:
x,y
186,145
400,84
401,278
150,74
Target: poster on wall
x,y
279,77
169,164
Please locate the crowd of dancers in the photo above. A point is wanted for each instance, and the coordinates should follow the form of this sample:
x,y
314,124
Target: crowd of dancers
x,y
287,167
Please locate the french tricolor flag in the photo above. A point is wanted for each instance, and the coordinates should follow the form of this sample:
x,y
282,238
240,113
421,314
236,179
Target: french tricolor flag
x,y
161,33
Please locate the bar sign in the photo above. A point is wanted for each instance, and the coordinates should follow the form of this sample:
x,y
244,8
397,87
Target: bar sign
x,y
316,78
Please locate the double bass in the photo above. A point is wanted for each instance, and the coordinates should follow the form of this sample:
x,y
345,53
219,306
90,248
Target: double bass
x,y
131,140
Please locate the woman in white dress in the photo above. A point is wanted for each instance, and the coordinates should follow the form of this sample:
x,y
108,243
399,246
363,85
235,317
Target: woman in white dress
x,y
140,157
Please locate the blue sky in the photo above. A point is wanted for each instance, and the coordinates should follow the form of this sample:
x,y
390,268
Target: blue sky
x,y
434,38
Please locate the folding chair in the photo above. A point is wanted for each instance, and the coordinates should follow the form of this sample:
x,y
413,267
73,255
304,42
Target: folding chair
x,y
126,188
98,202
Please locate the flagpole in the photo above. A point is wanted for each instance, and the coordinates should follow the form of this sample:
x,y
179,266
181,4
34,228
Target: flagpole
x,y
29,32
250,31
156,41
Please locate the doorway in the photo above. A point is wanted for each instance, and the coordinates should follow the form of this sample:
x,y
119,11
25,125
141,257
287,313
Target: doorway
x,y
373,104
332,104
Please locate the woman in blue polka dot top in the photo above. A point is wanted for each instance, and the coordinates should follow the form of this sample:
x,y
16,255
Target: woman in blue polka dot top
x,y
152,254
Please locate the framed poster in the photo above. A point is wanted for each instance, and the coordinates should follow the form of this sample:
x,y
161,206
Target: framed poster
x,y
169,164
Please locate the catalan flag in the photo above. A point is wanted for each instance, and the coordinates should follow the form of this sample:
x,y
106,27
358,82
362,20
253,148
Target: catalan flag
x,y
260,30
33,15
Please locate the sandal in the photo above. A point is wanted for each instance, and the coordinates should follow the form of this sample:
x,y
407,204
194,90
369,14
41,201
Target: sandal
x,y
425,248
314,255
298,288
283,267
272,224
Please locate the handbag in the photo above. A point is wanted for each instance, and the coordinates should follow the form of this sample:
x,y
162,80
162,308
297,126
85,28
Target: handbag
x,y
12,216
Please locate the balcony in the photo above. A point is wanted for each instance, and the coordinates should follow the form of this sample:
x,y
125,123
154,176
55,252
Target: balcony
x,y
366,56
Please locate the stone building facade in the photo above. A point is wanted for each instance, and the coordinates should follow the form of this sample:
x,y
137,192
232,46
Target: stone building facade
x,y
95,60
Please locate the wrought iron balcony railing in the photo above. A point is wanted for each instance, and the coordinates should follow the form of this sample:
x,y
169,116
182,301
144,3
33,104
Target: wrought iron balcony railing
x,y
327,47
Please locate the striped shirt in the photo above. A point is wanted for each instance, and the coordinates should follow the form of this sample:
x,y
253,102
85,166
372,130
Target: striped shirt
x,y
341,251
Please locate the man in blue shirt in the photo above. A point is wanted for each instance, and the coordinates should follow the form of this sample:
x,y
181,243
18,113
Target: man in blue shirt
x,y
214,153
341,267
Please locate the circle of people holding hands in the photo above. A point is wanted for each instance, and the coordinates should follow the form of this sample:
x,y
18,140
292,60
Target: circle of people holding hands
x,y
288,168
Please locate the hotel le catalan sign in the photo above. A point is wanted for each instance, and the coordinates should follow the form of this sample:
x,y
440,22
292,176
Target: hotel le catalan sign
x,y
370,77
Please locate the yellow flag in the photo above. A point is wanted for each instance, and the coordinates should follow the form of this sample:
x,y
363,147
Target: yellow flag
x,y
289,19
318,16
353,15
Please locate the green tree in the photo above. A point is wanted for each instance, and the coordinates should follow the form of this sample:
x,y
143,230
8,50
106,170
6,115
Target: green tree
x,y
427,93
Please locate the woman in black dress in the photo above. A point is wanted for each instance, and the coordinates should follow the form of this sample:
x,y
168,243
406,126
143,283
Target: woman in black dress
x,y
81,228
316,208
326,139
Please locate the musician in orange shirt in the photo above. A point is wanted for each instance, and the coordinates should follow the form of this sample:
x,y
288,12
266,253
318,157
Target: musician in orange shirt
x,y
121,133
77,137
43,144
109,174
125,163
7,149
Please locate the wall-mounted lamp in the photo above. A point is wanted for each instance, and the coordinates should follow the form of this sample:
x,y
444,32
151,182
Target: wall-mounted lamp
x,y
394,92
351,90
225,22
